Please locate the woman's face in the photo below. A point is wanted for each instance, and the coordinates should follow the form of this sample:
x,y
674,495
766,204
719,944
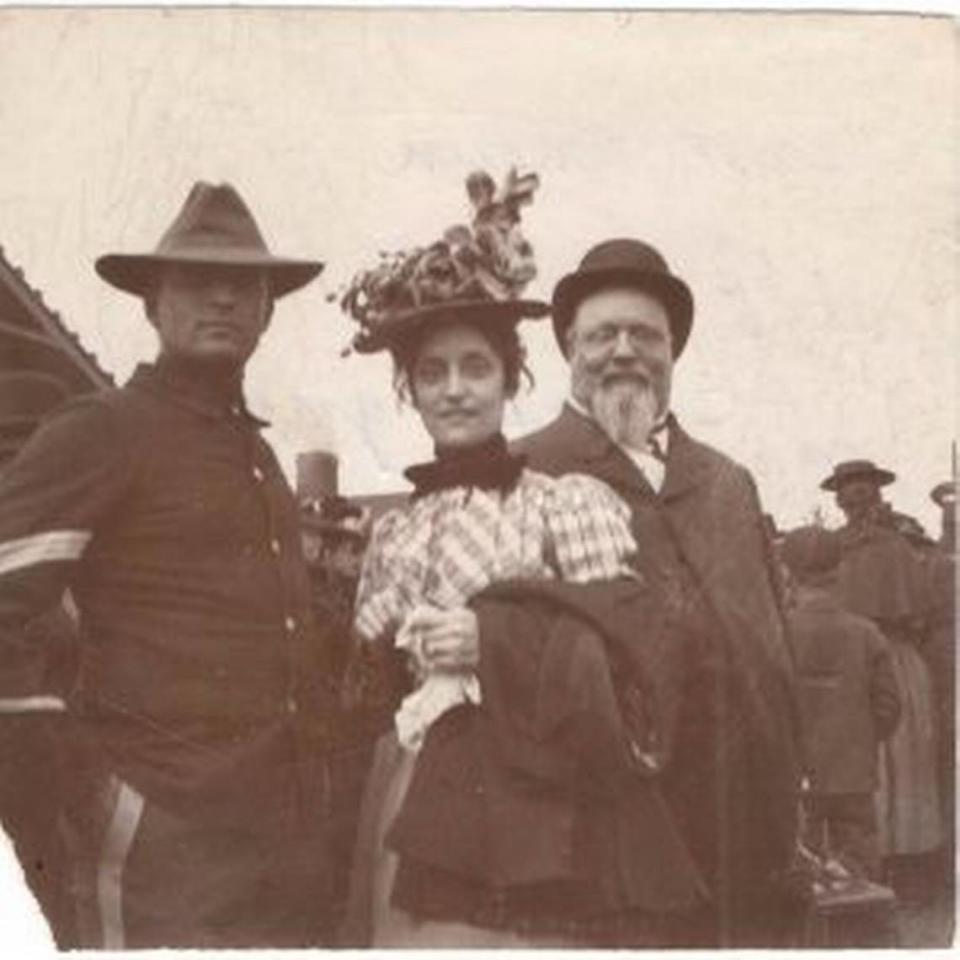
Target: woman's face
x,y
458,386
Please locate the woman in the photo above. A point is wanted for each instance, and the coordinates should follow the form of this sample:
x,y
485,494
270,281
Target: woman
x,y
513,804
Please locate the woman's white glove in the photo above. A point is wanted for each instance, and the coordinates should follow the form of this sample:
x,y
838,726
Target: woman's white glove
x,y
445,646
441,641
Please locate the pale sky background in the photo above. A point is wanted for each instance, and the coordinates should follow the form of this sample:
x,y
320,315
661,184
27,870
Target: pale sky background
x,y
798,171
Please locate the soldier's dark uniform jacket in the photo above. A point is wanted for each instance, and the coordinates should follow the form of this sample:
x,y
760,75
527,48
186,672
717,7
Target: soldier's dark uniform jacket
x,y
166,514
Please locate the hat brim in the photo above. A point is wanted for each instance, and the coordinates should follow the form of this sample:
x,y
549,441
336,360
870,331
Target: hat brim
x,y
329,528
944,494
882,478
671,291
136,273
404,326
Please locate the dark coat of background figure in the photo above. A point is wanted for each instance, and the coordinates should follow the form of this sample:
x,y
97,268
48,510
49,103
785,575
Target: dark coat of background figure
x,y
850,704
733,779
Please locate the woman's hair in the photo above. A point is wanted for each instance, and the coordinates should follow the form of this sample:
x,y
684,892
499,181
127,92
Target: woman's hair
x,y
502,337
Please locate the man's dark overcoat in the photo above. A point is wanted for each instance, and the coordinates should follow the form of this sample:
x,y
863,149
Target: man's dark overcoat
x,y
733,777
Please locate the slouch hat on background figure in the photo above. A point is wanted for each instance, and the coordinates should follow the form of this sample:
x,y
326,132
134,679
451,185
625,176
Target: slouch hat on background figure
x,y
214,227
944,494
857,470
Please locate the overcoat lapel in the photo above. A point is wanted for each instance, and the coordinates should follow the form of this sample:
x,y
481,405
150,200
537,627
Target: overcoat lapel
x,y
687,469
686,499
594,453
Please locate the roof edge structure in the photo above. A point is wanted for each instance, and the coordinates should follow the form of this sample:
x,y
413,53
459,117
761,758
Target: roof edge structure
x,y
55,333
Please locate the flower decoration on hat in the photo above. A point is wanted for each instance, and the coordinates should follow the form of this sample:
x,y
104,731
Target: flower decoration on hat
x,y
489,261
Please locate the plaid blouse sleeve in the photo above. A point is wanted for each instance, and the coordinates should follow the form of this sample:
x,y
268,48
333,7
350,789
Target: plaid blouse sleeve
x,y
378,604
589,528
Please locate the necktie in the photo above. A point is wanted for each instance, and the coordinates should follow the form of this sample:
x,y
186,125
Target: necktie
x,y
654,446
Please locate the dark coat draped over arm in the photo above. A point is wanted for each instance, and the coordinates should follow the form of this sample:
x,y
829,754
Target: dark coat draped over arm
x,y
552,780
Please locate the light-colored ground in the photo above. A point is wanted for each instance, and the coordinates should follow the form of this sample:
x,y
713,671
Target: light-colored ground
x,y
930,925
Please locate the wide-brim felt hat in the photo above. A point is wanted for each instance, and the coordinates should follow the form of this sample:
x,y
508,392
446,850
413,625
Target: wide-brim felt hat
x,y
405,327
214,227
624,262
857,470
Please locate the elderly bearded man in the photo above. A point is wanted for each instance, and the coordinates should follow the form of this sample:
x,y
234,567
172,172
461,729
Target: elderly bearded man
x,y
622,320
201,702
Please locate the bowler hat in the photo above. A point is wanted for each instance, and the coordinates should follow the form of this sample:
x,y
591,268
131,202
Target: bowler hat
x,y
811,550
213,227
628,263
857,470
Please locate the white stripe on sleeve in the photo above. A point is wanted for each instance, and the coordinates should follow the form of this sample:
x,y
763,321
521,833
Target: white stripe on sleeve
x,y
42,548
113,857
40,703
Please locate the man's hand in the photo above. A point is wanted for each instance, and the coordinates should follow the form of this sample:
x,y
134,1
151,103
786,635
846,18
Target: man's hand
x,y
449,639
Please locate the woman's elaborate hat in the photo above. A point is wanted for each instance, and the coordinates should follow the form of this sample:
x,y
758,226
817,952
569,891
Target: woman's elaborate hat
x,y
474,273
213,227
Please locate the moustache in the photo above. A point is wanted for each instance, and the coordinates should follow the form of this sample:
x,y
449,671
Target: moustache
x,y
634,378
456,412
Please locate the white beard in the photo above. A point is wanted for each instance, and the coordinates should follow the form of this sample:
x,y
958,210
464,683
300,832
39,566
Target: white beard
x,y
625,411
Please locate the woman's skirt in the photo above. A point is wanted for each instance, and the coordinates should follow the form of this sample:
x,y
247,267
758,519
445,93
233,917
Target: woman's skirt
x,y
907,801
371,920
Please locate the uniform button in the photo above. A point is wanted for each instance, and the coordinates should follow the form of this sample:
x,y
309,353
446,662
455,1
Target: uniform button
x,y
258,474
291,624
235,410
291,705
275,547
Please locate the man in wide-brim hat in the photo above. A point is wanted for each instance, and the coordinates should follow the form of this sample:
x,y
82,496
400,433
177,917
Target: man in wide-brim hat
x,y
200,705
890,575
856,485
622,318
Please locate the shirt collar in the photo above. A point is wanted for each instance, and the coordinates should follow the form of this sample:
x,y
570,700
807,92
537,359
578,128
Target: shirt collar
x,y
188,387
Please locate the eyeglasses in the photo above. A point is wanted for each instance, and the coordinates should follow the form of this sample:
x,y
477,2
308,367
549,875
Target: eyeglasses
x,y
607,335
